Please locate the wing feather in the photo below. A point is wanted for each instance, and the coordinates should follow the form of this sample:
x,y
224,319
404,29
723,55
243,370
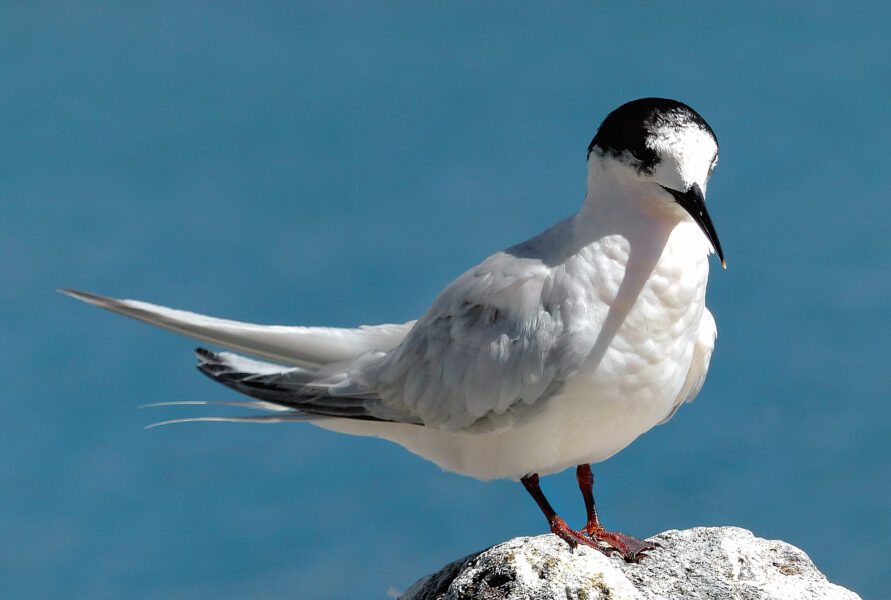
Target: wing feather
x,y
481,353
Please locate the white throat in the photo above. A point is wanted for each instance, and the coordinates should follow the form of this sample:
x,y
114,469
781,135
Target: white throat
x,y
620,203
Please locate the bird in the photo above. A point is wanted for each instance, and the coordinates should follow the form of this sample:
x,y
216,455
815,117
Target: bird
x,y
556,352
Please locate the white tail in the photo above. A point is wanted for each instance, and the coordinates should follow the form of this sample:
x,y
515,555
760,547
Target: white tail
x,y
309,347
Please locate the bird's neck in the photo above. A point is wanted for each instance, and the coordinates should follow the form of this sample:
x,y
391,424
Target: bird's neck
x,y
618,205
615,190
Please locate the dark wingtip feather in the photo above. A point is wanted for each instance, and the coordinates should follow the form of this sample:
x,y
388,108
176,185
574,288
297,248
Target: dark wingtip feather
x,y
205,354
209,363
287,388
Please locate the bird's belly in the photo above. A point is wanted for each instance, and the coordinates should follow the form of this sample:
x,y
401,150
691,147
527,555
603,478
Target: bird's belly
x,y
594,416
599,414
620,394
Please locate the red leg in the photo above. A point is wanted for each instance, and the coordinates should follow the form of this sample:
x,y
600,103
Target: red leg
x,y
632,549
586,484
558,525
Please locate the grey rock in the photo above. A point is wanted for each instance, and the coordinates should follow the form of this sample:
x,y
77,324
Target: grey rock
x,y
704,563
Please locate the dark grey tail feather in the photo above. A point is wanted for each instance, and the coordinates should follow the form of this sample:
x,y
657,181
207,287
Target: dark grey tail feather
x,y
289,388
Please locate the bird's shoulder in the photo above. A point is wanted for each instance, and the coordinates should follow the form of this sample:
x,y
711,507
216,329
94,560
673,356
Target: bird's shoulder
x,y
517,280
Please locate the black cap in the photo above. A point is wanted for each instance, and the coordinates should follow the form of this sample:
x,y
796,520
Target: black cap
x,y
628,127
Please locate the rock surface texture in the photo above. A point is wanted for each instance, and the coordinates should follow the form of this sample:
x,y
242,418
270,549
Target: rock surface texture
x,y
704,563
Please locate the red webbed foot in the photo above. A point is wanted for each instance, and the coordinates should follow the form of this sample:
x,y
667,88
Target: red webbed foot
x,y
574,538
631,548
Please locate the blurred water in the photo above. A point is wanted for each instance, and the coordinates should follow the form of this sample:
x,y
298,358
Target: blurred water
x,y
339,164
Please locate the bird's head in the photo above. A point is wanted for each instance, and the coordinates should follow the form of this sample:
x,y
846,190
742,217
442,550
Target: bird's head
x,y
664,144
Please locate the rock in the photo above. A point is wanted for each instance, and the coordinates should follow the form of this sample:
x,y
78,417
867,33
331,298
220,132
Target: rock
x,y
704,563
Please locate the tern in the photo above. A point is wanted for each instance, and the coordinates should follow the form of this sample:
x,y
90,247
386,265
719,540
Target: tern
x,y
556,352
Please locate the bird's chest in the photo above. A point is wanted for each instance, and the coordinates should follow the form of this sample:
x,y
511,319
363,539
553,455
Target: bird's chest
x,y
635,320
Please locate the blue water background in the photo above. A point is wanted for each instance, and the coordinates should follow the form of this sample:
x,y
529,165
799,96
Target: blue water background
x,y
338,164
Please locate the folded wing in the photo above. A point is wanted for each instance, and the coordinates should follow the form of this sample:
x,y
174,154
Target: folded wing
x,y
489,351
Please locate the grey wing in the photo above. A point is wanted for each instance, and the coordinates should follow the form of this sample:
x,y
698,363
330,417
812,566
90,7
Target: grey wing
x,y
484,355
488,353
702,356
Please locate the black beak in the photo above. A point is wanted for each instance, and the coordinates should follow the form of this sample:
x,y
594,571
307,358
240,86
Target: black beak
x,y
693,202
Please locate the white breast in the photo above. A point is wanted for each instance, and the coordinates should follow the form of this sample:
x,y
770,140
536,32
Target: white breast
x,y
636,374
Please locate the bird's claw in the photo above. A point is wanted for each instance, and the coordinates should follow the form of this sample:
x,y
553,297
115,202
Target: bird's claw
x,y
574,538
631,548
